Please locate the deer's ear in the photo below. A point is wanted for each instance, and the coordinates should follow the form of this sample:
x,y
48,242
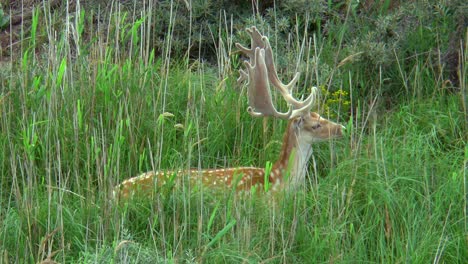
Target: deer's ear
x,y
298,123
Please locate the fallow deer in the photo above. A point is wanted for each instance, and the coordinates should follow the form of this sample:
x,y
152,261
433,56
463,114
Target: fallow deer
x,y
304,128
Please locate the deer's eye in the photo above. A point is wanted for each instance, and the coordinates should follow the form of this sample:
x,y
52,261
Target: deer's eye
x,y
316,126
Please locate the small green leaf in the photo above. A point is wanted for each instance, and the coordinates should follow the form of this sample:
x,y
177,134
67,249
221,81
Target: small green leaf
x,y
454,176
266,181
61,71
79,113
223,232
212,216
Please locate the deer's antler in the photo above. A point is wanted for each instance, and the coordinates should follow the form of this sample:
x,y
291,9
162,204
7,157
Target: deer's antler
x,y
260,72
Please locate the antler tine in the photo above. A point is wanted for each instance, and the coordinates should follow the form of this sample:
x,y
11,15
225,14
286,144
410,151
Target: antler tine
x,y
309,103
242,76
256,41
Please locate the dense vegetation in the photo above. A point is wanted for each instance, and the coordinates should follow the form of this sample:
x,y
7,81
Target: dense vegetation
x,y
96,93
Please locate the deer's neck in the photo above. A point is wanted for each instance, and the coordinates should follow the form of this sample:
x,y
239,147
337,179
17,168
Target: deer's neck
x,y
291,168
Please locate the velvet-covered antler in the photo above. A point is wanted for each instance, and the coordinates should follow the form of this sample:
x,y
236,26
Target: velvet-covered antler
x,y
261,71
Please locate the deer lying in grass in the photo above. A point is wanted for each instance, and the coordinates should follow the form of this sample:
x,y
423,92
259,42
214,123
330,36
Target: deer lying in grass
x,y
304,128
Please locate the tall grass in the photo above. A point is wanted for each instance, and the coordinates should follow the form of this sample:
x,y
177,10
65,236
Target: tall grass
x,y
98,105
